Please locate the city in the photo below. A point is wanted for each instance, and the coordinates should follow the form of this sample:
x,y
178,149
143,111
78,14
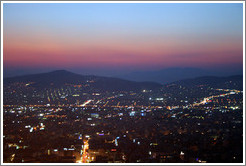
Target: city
x,y
76,124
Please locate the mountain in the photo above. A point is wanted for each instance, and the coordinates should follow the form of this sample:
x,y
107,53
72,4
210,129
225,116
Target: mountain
x,y
231,82
174,74
61,77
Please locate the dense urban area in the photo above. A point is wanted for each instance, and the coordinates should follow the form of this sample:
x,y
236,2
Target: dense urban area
x,y
75,123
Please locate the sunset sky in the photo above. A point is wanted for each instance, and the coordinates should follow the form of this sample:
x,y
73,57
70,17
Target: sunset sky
x,y
104,38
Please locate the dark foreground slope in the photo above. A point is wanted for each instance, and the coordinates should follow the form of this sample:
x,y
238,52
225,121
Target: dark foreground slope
x,y
231,82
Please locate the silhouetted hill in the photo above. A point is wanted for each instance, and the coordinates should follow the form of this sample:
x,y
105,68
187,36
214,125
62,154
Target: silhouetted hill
x,y
62,77
174,74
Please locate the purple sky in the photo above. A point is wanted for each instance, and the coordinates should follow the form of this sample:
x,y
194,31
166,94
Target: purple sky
x,y
111,39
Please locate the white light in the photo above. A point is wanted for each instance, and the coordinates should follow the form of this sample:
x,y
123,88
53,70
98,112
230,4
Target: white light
x,y
85,103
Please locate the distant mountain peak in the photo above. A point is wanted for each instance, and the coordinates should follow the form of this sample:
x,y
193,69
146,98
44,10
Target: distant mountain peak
x,y
60,71
60,78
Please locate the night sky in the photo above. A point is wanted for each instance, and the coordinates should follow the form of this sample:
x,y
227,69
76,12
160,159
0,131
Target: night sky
x,y
111,39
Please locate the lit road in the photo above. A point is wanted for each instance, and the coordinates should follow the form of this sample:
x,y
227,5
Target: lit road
x,y
85,103
208,99
85,154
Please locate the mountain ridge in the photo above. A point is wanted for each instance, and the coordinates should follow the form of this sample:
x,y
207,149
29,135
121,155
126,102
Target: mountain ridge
x,y
170,75
60,77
